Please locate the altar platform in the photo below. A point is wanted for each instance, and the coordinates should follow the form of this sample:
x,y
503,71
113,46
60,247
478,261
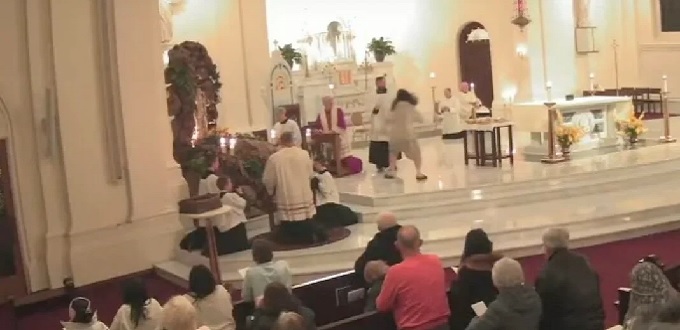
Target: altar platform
x,y
603,198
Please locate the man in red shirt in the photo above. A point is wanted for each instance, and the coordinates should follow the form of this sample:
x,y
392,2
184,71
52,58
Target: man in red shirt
x,y
415,290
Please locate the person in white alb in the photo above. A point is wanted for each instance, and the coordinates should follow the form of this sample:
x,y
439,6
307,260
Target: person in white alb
x,y
284,124
468,100
211,300
378,150
180,314
329,212
139,311
452,116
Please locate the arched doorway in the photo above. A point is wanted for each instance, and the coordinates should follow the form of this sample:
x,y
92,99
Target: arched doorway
x,y
475,63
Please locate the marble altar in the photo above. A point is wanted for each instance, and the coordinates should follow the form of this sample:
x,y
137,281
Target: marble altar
x,y
596,115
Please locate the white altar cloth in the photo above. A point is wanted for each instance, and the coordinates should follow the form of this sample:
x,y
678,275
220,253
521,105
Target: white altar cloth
x,y
596,115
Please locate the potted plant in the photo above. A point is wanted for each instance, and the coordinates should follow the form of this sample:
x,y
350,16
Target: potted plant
x,y
290,54
632,127
567,135
381,48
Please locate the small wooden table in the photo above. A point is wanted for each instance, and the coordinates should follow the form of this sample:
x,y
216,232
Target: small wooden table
x,y
332,139
205,219
479,132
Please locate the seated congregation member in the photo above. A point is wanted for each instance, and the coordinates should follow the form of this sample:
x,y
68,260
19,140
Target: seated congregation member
x,y
568,286
381,246
211,300
286,177
286,125
265,272
329,212
82,316
230,228
290,321
668,317
277,300
517,306
139,311
180,314
415,289
332,120
374,274
474,282
650,291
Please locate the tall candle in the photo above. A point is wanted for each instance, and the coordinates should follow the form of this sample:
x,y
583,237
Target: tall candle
x,y
472,86
433,75
232,143
665,83
592,81
548,88
272,134
308,132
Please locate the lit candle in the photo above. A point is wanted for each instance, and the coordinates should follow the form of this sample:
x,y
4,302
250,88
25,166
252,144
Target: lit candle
x,y
308,132
472,86
223,144
232,145
272,135
592,81
331,86
548,88
665,83
433,75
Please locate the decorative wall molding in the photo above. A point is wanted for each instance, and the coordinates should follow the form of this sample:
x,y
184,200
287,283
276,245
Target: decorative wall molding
x,y
659,46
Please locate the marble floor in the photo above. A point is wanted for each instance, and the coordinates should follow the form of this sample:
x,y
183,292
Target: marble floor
x,y
601,198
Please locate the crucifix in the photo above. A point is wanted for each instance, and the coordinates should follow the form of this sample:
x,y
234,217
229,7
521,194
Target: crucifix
x,y
367,69
615,45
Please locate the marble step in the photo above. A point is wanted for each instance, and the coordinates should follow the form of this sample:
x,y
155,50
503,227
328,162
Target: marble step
x,y
621,207
541,192
514,244
518,187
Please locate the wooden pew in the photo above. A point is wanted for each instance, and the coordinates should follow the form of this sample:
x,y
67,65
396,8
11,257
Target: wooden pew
x,y
370,320
8,318
673,274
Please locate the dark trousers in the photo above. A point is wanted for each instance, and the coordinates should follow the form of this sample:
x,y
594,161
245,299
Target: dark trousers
x,y
300,232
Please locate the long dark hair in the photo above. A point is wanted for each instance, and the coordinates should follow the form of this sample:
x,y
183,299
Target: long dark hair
x,y
201,282
476,242
277,299
404,96
82,310
135,296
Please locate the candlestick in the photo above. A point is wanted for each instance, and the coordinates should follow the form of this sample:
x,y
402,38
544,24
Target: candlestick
x,y
592,82
232,145
472,87
665,83
272,135
223,144
548,89
308,132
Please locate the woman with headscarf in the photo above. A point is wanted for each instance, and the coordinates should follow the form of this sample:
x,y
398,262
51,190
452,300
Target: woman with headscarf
x,y
650,290
474,283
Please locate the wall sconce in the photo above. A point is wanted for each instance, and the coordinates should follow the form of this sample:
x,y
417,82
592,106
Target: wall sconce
x,y
521,51
521,19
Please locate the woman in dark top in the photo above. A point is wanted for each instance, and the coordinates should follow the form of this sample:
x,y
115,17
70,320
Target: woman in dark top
x,y
276,300
473,283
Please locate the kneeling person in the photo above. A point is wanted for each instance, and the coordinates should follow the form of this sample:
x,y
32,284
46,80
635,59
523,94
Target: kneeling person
x,y
329,212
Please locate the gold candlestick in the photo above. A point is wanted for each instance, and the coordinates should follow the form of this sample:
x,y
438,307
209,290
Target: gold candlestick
x,y
552,157
666,138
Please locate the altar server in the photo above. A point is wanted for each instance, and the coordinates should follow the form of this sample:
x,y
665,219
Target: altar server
x,y
329,212
402,119
286,176
452,116
82,316
378,150
286,125
468,100
332,119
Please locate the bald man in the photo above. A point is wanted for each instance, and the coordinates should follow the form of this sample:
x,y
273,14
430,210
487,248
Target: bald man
x,y
381,246
415,289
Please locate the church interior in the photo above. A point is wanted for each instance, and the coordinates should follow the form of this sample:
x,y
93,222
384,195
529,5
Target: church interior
x,y
112,114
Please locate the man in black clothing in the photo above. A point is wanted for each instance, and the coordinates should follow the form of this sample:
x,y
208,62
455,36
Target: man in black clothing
x,y
381,247
569,287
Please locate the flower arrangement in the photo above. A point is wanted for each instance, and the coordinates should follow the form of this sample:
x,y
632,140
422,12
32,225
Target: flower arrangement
x,y
632,127
567,135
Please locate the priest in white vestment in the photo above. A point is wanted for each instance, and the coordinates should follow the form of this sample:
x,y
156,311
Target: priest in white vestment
x,y
378,150
284,124
452,116
468,101
287,176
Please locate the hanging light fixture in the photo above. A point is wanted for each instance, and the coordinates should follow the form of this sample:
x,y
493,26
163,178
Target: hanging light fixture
x,y
478,34
521,17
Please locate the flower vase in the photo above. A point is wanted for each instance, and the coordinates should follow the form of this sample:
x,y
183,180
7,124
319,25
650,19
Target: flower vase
x,y
632,140
566,152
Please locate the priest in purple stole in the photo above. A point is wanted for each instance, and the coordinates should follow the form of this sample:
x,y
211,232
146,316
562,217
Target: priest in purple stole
x,y
332,119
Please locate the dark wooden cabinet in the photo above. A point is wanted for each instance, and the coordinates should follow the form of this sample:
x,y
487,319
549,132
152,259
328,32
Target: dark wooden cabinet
x,y
12,281
669,14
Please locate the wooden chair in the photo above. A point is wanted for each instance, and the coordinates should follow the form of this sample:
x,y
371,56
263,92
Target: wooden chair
x,y
651,99
637,95
318,150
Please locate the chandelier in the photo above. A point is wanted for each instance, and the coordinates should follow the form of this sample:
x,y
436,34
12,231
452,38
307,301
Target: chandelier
x,y
521,17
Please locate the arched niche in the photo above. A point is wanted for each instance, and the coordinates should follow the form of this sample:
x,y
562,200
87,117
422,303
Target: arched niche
x,y
474,58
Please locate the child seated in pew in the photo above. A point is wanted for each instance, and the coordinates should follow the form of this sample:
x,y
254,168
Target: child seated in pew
x,y
329,212
230,228
82,316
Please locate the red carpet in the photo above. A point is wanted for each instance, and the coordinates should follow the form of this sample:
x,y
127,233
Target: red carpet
x,y
613,262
